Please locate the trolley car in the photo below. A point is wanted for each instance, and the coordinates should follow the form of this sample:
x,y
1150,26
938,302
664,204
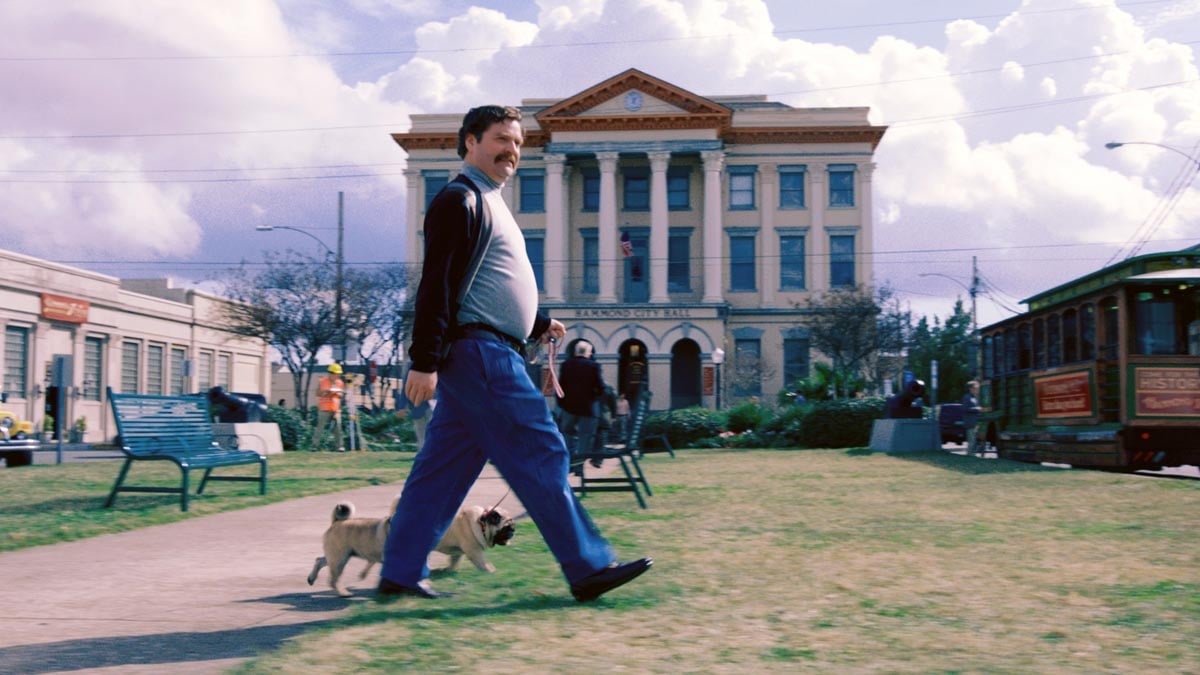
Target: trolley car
x,y
1102,371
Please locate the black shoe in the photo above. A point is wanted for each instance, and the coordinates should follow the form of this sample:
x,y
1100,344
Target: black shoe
x,y
388,589
596,462
617,574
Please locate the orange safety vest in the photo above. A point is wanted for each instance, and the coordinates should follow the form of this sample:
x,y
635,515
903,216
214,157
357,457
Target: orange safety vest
x,y
329,394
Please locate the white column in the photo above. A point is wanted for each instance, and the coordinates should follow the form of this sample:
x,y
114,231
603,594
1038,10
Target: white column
x,y
866,244
817,244
659,226
608,226
414,246
713,264
556,250
768,280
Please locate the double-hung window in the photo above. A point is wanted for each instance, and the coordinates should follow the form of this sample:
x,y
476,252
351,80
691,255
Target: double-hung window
x,y
841,260
841,185
591,261
678,188
679,260
637,189
591,190
434,182
741,188
16,353
791,187
535,248
791,260
533,190
741,262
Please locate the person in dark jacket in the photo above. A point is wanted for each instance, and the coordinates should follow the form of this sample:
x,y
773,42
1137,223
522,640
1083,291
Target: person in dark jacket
x,y
583,387
476,305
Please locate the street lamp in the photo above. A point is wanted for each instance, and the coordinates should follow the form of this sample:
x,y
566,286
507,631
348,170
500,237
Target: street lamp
x,y
1113,145
973,291
339,261
718,357
272,228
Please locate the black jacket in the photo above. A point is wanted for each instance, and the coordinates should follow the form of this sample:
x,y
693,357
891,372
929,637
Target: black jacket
x,y
582,386
455,224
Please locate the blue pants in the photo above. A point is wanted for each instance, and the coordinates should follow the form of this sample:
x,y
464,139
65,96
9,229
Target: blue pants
x,y
488,408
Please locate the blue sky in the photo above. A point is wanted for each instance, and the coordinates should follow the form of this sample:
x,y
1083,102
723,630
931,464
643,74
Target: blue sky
x,y
150,137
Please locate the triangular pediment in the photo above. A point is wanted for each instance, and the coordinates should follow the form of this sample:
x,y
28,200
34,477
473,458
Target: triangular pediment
x,y
632,100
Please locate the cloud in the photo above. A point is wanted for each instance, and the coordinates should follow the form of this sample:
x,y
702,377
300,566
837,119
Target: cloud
x,y
180,103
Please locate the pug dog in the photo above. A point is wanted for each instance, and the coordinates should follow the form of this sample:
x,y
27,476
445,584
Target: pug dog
x,y
473,529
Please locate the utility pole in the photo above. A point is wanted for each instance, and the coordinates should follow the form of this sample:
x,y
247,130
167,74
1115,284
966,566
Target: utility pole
x,y
339,291
976,371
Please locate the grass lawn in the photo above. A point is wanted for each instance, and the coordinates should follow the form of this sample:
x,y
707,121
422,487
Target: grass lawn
x,y
823,561
45,504
765,561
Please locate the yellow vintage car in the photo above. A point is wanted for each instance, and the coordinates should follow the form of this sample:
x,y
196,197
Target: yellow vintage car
x,y
13,428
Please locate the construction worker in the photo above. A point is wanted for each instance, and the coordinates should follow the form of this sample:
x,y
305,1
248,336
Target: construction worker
x,y
330,390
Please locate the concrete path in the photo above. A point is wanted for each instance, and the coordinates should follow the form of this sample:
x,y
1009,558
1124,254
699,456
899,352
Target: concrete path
x,y
196,596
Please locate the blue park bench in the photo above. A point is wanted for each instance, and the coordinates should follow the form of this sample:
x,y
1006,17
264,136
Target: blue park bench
x,y
176,429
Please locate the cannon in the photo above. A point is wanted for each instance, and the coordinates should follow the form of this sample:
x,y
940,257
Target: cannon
x,y
234,407
906,404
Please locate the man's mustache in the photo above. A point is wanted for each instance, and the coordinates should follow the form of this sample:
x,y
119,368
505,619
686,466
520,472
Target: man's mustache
x,y
507,156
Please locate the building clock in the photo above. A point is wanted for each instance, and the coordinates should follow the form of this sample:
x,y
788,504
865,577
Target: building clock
x,y
633,101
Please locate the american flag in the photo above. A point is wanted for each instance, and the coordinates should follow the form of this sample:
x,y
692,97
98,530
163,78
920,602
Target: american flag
x,y
626,244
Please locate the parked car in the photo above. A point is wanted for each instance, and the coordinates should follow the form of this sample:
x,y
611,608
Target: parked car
x,y
13,427
950,421
16,440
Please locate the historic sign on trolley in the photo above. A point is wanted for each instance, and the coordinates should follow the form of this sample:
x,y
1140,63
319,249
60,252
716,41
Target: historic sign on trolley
x,y
1167,391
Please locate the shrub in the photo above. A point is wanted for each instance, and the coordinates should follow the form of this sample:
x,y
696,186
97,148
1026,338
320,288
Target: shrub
x,y
685,426
787,428
843,423
293,430
748,416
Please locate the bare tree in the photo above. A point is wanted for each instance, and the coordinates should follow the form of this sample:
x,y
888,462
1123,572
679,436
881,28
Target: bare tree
x,y
291,305
852,328
381,316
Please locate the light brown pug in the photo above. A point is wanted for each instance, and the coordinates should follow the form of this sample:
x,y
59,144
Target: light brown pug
x,y
473,530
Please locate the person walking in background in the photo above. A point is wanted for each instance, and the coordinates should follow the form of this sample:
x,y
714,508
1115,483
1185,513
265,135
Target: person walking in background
x,y
330,389
970,415
476,306
622,414
583,386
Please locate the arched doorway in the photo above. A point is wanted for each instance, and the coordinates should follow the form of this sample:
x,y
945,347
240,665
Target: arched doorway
x,y
632,375
685,374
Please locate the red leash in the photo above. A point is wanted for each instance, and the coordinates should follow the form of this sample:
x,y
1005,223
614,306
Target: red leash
x,y
553,372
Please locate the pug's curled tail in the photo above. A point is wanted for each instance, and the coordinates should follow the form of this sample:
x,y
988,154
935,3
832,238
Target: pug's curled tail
x,y
343,511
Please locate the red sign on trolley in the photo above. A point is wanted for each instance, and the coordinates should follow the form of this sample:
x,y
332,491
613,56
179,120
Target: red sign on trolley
x,y
1066,395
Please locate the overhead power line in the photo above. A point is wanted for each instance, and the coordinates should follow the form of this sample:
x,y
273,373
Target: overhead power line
x,y
558,45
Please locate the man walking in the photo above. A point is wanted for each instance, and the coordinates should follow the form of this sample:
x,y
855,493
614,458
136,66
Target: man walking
x,y
582,385
475,306
330,390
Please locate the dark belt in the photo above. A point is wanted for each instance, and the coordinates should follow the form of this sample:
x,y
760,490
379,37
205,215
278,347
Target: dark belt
x,y
482,331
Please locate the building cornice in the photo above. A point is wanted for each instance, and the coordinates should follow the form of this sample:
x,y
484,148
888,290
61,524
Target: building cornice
x,y
804,135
